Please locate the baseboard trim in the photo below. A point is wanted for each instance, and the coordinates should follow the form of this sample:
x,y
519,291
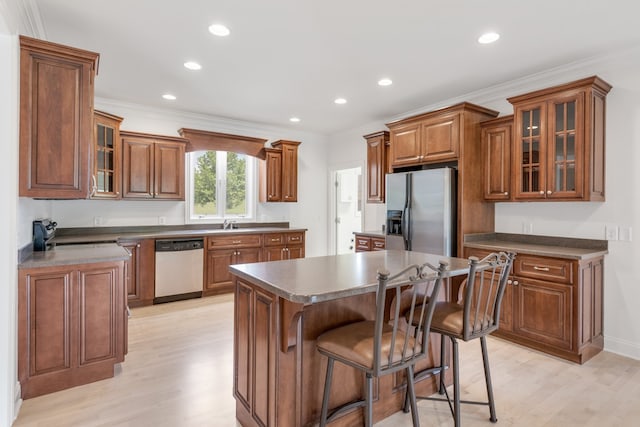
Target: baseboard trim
x,y
622,347
17,400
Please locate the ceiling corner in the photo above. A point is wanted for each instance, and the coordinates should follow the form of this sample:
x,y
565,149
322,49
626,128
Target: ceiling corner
x,y
31,23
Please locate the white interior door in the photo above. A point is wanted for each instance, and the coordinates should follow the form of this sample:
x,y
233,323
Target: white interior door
x,y
348,207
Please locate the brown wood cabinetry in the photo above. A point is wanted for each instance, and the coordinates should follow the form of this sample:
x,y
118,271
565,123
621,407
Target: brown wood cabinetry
x,y
496,135
553,305
279,172
107,162
223,251
139,271
366,243
559,142
279,246
152,166
377,165
56,119
450,136
72,325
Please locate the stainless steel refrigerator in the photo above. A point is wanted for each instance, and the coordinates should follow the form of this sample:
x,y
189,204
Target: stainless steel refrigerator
x,y
421,211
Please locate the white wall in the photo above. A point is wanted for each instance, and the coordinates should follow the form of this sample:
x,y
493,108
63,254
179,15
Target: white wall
x,y
8,194
309,212
570,219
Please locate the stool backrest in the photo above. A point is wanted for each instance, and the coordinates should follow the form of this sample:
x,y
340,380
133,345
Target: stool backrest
x,y
483,291
420,285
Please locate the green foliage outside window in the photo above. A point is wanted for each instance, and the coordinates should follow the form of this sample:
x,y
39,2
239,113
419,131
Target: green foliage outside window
x,y
205,196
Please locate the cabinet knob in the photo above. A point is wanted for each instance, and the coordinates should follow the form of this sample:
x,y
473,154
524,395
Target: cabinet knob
x,y
138,245
515,283
509,282
549,191
506,193
541,192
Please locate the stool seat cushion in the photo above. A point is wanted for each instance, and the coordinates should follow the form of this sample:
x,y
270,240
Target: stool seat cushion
x,y
354,342
448,318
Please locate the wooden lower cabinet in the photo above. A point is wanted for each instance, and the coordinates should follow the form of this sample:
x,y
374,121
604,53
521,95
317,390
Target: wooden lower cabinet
x,y
279,246
139,271
218,279
553,305
72,325
369,243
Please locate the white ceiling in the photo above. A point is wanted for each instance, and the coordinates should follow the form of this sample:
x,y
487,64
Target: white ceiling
x,y
289,58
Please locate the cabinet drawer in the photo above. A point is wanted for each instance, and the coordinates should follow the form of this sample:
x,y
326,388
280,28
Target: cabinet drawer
x,y
363,243
377,244
294,238
274,239
550,269
234,241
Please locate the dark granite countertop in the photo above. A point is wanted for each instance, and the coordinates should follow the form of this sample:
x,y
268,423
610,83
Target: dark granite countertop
x,y
371,233
75,254
317,279
115,234
558,247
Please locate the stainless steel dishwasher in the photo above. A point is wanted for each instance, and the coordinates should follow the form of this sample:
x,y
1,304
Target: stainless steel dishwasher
x,y
179,269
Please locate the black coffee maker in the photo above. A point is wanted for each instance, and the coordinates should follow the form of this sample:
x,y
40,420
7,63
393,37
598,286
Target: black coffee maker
x,y
44,231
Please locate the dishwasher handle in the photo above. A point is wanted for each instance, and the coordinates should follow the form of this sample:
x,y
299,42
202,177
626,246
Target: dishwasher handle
x,y
178,245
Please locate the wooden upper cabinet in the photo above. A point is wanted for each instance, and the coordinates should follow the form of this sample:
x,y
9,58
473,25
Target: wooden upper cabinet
x,y
107,162
496,157
152,166
377,165
432,137
279,172
559,142
56,119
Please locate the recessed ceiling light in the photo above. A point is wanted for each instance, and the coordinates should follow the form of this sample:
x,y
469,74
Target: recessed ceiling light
x,y
191,65
219,30
294,119
340,101
487,38
169,97
385,82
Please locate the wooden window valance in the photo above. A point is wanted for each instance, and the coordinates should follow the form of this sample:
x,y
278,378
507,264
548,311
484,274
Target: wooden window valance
x,y
215,141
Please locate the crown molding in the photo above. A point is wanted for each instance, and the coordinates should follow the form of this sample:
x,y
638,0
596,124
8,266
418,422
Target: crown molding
x,y
553,76
208,122
31,23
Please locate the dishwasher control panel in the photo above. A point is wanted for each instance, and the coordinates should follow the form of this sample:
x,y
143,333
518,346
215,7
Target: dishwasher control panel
x,y
177,245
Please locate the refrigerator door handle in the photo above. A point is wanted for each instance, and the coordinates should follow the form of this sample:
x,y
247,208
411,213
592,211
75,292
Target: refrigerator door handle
x,y
406,228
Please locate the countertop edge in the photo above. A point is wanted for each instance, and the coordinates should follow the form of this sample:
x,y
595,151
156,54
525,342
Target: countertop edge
x,y
539,250
100,253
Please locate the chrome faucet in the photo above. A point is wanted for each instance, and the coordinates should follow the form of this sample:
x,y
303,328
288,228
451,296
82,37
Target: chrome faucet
x,y
228,224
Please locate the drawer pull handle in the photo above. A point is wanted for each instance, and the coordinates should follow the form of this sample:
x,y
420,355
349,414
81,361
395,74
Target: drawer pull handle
x,y
535,267
275,240
236,241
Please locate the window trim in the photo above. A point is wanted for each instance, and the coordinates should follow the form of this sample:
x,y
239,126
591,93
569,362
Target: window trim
x,y
252,193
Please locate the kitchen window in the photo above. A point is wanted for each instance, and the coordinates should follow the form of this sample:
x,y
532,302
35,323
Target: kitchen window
x,y
220,185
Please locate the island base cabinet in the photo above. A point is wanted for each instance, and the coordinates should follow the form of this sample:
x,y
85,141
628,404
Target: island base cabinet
x,y
72,326
279,374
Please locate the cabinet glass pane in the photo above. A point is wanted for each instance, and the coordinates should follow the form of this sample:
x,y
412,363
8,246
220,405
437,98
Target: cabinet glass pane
x,y
571,147
100,136
559,151
571,115
108,160
535,122
100,157
109,141
526,123
559,117
535,151
565,177
100,182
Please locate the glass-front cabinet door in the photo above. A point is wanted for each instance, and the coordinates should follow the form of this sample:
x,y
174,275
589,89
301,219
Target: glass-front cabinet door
x,y
105,180
529,159
565,173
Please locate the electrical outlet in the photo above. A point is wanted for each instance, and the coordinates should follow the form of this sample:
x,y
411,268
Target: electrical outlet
x,y
611,232
625,233
97,220
162,220
527,228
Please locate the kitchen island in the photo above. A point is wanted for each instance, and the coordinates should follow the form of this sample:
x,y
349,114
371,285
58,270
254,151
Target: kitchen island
x,y
281,307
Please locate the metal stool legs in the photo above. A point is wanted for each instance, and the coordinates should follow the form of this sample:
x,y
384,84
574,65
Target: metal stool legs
x,y
327,392
487,378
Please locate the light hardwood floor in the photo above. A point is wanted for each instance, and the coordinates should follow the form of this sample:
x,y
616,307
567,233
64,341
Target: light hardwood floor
x,y
179,373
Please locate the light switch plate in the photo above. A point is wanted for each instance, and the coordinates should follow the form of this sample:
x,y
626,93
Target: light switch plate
x,y
625,234
611,232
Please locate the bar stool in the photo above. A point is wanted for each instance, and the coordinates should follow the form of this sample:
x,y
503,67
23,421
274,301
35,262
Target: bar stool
x,y
382,346
476,314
